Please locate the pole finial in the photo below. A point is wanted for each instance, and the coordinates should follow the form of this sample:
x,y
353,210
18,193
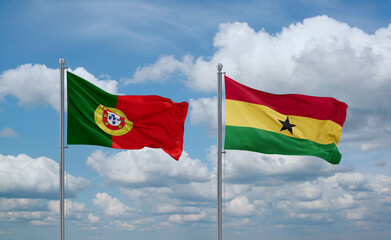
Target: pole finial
x,y
61,61
219,67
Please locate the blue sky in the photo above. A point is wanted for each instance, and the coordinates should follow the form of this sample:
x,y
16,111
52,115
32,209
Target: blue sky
x,y
340,49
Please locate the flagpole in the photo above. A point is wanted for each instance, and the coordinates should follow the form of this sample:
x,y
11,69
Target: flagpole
x,y
62,62
219,152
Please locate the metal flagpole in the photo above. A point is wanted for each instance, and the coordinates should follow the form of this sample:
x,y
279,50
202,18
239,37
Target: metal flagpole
x,y
219,152
62,62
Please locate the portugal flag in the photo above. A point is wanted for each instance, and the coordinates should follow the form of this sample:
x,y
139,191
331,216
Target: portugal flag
x,y
96,117
289,124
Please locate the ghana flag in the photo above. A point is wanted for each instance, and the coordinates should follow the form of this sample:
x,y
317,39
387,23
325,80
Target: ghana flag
x,y
289,124
96,117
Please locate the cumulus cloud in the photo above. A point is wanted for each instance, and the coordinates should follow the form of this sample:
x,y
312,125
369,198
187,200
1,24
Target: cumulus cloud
x,y
250,167
93,218
353,181
40,211
73,210
146,167
197,191
290,57
355,214
110,206
204,111
26,177
8,132
325,199
307,191
162,202
20,204
319,56
108,85
319,199
161,70
43,84
282,189
180,218
344,201
240,206
123,225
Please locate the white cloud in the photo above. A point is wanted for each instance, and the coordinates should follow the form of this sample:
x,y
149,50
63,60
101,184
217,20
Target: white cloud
x,y
160,71
73,210
108,85
40,211
307,191
146,167
283,189
238,223
147,220
380,184
20,204
352,181
146,192
26,215
110,206
24,176
180,218
123,225
240,206
266,61
336,203
344,201
355,214
204,111
8,132
312,205
319,199
319,56
47,221
250,167
41,81
43,84
163,202
93,218
197,191
175,218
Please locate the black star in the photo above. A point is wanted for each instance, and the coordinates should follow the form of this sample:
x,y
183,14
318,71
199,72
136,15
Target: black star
x,y
287,125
